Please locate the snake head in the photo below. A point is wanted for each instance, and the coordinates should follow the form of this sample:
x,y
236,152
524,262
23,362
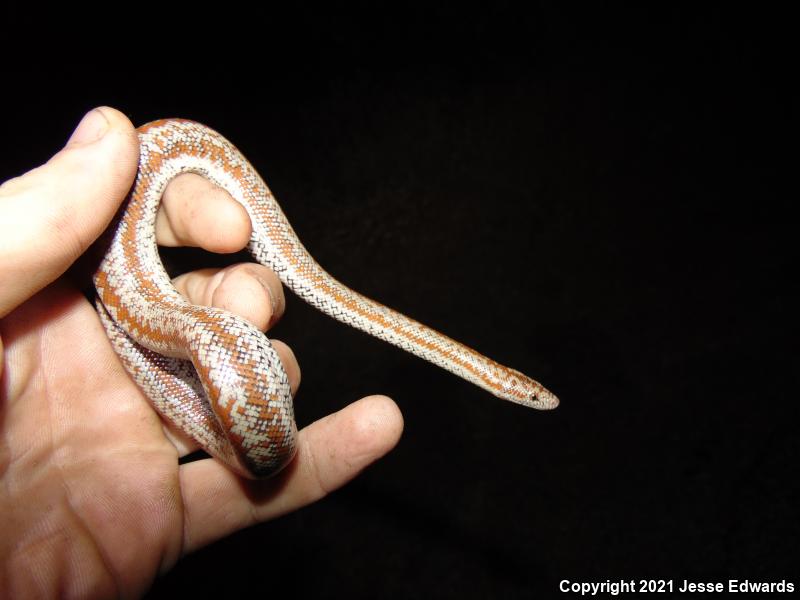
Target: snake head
x,y
523,390
543,399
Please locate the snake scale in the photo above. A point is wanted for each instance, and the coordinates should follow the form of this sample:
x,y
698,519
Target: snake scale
x,y
212,374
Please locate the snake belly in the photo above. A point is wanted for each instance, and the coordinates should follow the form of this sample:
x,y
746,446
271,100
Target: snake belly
x,y
209,372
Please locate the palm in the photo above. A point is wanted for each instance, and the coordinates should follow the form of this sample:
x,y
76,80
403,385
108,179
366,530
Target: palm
x,y
81,435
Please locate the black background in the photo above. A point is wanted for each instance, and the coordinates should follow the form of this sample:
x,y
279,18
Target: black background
x,y
587,194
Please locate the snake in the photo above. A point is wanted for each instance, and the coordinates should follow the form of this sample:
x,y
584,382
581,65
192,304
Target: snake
x,y
211,374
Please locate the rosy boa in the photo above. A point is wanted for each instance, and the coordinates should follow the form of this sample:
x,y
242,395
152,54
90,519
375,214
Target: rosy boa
x,y
212,374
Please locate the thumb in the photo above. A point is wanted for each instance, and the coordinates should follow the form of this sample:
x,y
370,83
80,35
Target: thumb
x,y
50,215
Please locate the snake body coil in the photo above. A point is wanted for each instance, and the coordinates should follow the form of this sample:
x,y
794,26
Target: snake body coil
x,y
211,373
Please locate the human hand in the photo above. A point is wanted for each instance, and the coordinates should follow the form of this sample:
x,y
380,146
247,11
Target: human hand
x,y
93,500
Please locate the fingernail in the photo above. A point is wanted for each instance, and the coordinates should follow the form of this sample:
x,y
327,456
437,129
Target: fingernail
x,y
91,128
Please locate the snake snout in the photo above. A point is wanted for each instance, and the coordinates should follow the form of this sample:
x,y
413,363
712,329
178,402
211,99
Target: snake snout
x,y
544,400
